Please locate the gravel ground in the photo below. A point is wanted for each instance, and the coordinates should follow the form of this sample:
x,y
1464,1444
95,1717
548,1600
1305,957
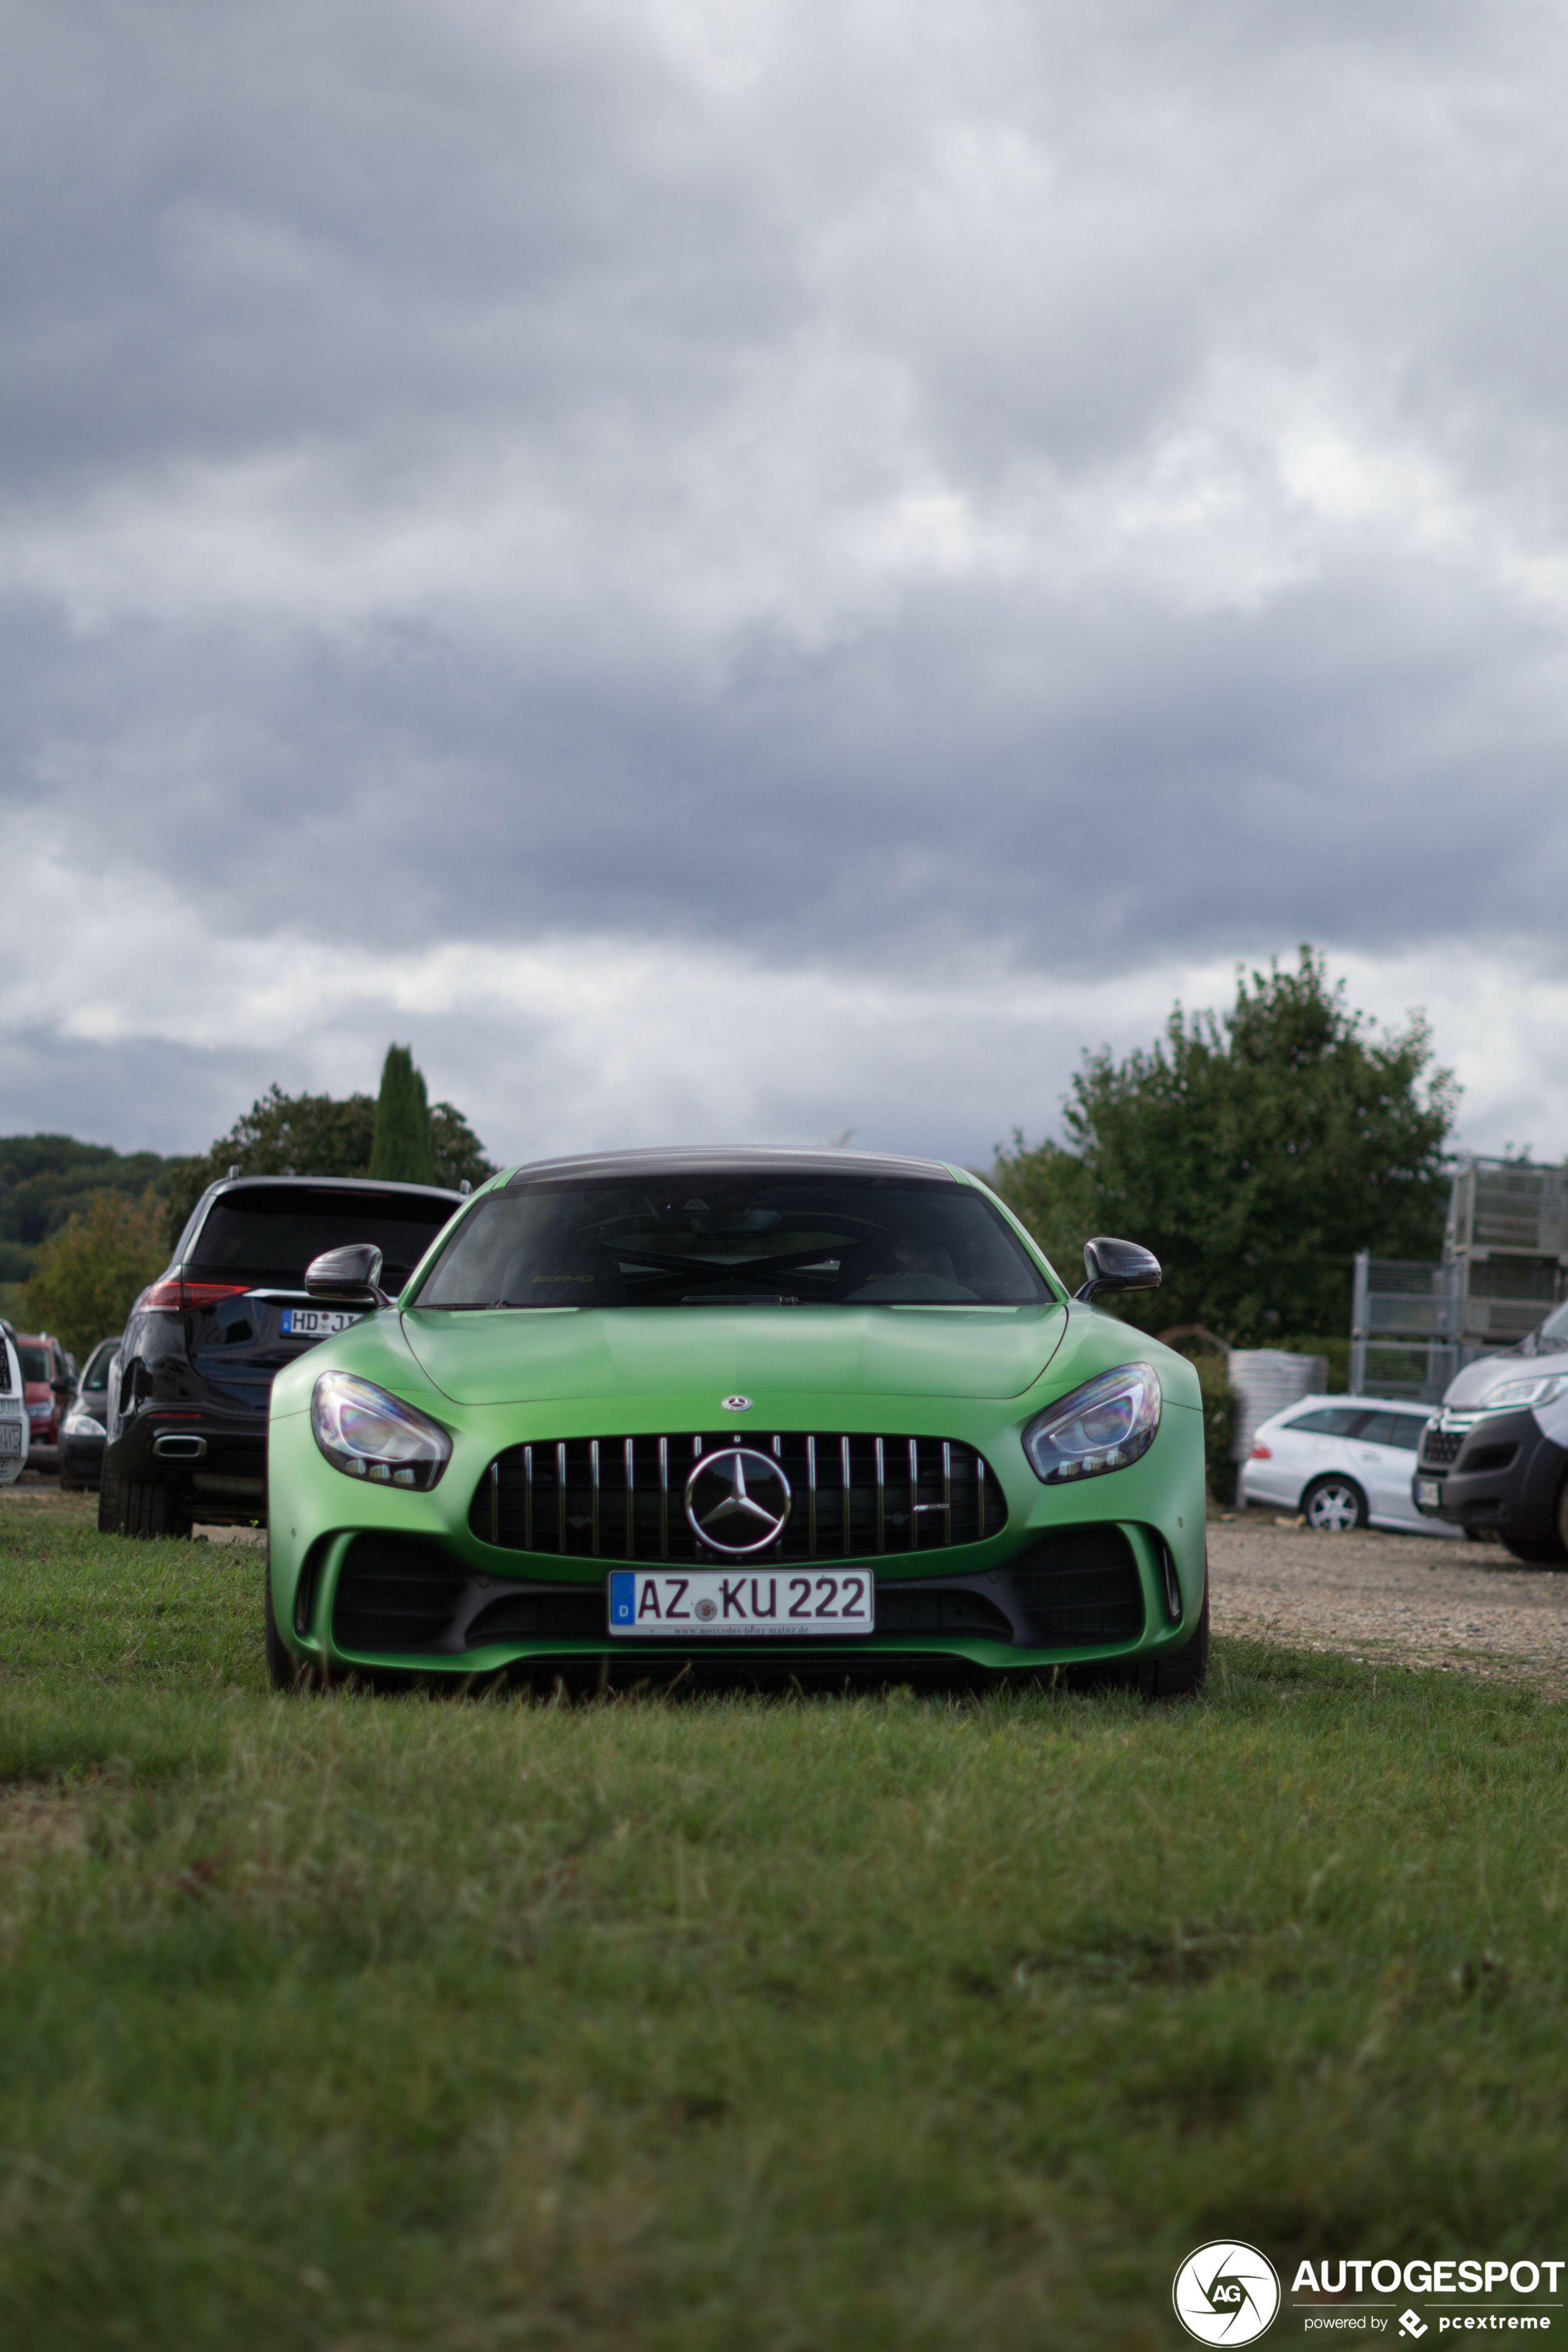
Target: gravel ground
x,y
1413,1599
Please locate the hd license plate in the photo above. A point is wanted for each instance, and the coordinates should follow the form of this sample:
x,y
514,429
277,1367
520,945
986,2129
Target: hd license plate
x,y
314,1322
1428,1490
739,1604
10,1437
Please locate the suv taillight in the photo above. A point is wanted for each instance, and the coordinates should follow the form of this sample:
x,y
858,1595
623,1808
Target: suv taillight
x,y
175,1297
1261,1454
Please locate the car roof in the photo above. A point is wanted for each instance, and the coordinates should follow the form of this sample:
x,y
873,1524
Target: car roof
x,y
337,1184
743,1161
1360,1403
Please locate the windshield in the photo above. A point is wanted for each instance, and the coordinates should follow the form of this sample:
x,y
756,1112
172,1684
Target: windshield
x,y
34,1364
270,1234
96,1377
740,1238
1554,1331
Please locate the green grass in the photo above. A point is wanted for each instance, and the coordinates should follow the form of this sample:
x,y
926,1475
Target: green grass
x,y
892,2021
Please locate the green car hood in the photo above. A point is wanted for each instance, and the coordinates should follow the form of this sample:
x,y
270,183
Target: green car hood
x,y
535,1355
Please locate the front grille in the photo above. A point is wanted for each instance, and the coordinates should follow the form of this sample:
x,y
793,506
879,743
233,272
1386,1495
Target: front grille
x,y
1441,1446
622,1498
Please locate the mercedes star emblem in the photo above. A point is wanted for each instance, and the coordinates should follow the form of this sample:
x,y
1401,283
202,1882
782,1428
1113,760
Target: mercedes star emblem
x,y
738,1501
737,1404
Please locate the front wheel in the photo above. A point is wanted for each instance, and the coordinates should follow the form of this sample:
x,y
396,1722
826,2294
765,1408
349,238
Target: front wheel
x,y
1536,1552
1182,1674
284,1671
1334,1504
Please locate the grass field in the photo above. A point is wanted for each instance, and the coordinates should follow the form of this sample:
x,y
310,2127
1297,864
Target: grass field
x,y
889,2022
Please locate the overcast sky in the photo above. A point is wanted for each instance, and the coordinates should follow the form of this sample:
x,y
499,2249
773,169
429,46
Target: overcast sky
x,y
752,569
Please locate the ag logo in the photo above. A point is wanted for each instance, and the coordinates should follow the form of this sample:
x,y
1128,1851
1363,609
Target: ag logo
x,y
1226,2293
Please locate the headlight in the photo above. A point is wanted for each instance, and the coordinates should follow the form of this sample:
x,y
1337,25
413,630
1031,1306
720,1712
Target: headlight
x,y
1103,1425
1540,1389
366,1434
82,1424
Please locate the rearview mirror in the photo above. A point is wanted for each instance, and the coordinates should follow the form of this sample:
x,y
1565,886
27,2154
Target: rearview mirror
x,y
1118,1265
351,1275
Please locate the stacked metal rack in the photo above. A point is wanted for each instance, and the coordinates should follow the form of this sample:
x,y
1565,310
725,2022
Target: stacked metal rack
x,y
1415,1323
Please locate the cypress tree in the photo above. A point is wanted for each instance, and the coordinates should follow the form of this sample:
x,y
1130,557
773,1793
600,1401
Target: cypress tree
x,y
403,1151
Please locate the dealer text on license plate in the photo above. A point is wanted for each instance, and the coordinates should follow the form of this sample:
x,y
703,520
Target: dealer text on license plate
x,y
739,1603
1427,1490
314,1322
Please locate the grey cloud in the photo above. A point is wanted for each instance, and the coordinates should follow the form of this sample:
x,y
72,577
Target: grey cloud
x,y
718,309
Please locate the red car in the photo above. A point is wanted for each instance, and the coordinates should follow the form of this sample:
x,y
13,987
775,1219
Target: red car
x,y
47,1384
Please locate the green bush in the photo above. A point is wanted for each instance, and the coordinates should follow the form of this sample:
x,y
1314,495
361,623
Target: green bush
x,y
87,1274
1219,1420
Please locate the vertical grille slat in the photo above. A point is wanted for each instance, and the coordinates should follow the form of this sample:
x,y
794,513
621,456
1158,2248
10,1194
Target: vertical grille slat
x,y
598,1497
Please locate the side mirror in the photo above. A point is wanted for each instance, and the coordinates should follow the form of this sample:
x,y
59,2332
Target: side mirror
x,y
350,1277
62,1389
1118,1265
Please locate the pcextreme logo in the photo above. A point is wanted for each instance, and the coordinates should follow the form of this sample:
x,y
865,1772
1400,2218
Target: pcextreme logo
x,y
1226,2293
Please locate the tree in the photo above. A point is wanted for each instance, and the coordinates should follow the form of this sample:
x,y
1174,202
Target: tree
x,y
279,1135
316,1134
44,1177
87,1274
1256,1153
460,1154
405,1151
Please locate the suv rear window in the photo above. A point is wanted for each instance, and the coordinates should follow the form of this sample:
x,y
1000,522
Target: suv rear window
x,y
270,1234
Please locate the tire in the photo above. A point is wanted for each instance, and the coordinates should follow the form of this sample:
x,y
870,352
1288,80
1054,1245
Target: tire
x,y
150,1509
1540,1552
1334,1504
1182,1675
284,1672
110,1512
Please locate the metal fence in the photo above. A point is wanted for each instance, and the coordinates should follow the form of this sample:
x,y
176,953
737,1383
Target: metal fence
x,y
1415,1323
1404,1328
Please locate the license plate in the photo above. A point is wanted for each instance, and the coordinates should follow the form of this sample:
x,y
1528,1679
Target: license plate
x,y
10,1437
1428,1490
314,1322
739,1604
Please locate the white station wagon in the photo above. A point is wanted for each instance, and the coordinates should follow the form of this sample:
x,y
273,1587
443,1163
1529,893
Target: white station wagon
x,y
1343,1461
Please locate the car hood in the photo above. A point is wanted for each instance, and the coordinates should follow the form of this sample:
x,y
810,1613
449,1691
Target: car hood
x,y
542,1354
1488,1372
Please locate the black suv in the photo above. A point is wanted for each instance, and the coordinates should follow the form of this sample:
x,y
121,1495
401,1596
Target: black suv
x,y
188,1417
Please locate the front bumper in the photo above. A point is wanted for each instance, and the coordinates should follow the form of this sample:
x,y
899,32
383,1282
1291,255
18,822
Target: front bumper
x,y
1506,1474
214,1463
1110,1571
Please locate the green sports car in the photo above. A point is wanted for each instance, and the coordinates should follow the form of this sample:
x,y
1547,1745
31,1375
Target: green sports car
x,y
778,1414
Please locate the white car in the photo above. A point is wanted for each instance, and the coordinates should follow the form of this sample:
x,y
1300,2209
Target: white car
x,y
1343,1461
15,1435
